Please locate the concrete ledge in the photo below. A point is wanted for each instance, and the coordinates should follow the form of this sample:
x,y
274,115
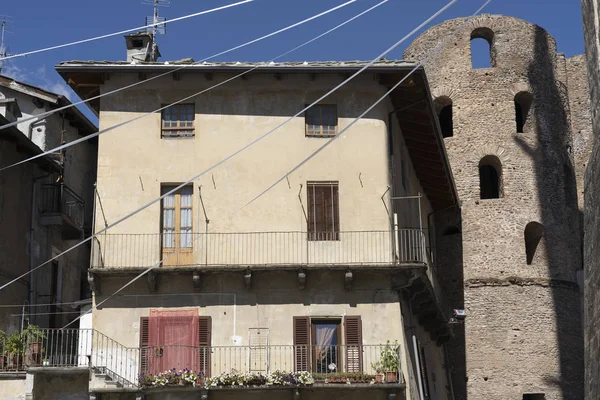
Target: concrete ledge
x,y
59,370
13,375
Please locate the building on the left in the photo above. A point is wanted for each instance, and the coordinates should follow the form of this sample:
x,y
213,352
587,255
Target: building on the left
x,y
45,208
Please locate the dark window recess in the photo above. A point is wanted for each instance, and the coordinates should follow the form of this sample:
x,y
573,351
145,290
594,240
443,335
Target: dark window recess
x,y
137,43
534,396
534,232
445,118
424,373
326,340
490,178
353,342
178,121
523,101
54,288
302,343
323,211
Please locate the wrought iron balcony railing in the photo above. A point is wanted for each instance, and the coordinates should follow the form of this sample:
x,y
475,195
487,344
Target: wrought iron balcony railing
x,y
59,199
87,348
259,248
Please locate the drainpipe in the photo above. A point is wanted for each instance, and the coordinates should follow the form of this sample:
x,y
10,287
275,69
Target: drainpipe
x,y
31,232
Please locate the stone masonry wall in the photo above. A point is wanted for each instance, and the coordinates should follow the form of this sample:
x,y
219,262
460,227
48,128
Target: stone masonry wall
x,y
504,294
591,250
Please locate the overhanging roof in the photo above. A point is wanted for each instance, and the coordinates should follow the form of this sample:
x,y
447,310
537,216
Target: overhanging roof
x,y
411,100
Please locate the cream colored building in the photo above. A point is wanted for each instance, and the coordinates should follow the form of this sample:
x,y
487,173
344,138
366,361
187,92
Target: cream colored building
x,y
317,274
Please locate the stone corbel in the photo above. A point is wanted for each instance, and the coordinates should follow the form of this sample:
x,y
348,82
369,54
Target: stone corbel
x,y
196,281
296,394
301,280
152,281
248,279
348,277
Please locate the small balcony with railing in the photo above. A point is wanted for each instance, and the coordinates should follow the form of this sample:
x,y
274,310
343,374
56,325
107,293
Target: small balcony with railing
x,y
61,206
116,367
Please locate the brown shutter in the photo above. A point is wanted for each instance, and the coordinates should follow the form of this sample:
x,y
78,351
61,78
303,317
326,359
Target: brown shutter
x,y
204,341
144,345
353,342
302,344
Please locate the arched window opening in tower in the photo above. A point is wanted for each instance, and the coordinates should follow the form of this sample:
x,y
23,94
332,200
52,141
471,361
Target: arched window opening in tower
x,y
490,178
523,101
534,231
482,48
443,105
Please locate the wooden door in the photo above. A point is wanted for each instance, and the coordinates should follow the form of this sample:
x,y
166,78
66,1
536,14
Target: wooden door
x,y
176,224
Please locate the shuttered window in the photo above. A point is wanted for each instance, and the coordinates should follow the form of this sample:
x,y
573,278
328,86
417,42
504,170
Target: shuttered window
x,y
321,120
302,344
323,211
353,342
204,340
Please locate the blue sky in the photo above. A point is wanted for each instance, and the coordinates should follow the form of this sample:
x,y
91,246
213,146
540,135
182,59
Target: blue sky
x,y
37,23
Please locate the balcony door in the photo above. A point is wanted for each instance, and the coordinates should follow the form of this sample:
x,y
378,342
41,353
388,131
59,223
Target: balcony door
x,y
176,225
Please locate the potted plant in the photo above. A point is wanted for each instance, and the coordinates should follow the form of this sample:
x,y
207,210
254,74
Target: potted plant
x,y
14,348
378,371
3,357
33,337
390,362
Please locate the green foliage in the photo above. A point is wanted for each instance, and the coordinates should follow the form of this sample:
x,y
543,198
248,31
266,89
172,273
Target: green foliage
x,y
389,357
33,334
14,344
2,342
343,377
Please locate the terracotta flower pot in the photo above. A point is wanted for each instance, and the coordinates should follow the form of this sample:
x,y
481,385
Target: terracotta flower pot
x,y
379,378
391,377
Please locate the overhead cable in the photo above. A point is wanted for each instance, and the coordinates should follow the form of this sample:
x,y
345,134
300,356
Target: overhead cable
x,y
171,71
194,178
27,53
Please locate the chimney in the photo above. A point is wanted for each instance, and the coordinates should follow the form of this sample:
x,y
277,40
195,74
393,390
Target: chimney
x,y
141,47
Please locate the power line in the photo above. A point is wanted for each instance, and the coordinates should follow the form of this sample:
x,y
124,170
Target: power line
x,y
84,138
313,154
124,31
253,142
194,178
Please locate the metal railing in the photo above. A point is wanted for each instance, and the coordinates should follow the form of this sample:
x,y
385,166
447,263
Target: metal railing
x,y
321,360
260,248
58,198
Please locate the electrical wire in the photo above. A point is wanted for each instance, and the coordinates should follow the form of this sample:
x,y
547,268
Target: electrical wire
x,y
330,141
255,141
45,114
193,178
125,31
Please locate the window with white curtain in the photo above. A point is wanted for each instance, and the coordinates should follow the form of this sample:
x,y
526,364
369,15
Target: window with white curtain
x,y
177,216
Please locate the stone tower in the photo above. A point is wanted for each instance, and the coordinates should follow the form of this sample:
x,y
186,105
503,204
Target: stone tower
x,y
508,133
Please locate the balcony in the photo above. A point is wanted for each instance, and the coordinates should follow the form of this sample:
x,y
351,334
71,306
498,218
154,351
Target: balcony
x,y
255,249
61,206
128,368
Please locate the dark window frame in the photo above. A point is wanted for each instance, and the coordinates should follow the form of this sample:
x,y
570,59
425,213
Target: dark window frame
x,y
176,127
315,124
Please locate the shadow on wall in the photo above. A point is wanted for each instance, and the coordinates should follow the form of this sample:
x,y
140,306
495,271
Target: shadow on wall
x,y
555,179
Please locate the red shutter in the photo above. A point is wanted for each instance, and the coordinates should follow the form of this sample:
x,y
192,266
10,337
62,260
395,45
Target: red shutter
x,y
353,342
143,345
204,341
302,343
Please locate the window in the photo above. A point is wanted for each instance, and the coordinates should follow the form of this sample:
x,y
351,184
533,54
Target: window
x,y
443,106
490,170
321,120
482,55
318,344
534,232
323,211
176,225
523,101
175,339
178,121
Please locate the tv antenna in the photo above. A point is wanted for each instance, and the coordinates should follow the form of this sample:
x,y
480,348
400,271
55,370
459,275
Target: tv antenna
x,y
158,23
3,30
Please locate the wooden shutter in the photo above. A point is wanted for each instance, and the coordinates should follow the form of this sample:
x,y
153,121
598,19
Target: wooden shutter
x,y
204,341
302,344
353,342
144,340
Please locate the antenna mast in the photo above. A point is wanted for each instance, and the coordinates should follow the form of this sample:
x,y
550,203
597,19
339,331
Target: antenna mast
x,y
3,52
159,25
